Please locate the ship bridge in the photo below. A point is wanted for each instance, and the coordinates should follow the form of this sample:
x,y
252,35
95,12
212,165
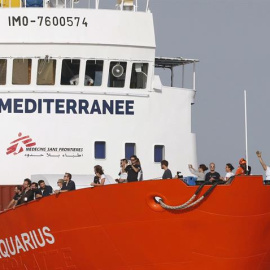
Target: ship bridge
x,y
112,49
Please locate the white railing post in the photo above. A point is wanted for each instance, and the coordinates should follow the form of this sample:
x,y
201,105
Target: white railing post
x,y
183,76
97,4
172,77
147,5
194,76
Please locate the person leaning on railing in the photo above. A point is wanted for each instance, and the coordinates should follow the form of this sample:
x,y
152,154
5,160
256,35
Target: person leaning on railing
x,y
16,198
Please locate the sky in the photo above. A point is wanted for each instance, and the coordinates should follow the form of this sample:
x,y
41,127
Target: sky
x,y
231,40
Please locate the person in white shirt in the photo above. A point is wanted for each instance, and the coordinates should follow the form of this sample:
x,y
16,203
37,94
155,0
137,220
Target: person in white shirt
x,y
100,174
122,174
229,168
265,167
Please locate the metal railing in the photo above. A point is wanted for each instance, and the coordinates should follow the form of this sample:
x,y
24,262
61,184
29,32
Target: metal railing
x,y
120,4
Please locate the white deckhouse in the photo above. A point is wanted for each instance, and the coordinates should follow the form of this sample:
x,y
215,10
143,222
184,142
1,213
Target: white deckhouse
x,y
78,88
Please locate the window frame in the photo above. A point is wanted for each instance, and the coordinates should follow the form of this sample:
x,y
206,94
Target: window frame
x,y
6,70
127,156
97,155
157,158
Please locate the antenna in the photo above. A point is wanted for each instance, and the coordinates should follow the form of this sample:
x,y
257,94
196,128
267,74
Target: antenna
x,y
246,128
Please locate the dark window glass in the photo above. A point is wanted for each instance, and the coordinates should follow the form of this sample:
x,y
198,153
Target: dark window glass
x,y
117,74
158,153
93,73
21,73
100,150
70,72
129,150
3,71
46,72
139,75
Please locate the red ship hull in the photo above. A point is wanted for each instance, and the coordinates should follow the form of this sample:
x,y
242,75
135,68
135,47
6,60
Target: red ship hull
x,y
120,227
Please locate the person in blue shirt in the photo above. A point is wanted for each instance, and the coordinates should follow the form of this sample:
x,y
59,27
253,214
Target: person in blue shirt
x,y
69,185
44,190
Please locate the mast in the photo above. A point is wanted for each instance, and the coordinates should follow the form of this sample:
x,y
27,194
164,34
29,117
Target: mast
x,y
246,127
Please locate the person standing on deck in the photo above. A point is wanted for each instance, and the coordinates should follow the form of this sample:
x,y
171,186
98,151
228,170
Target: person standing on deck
x,y
212,176
122,174
200,173
133,169
167,172
265,167
242,169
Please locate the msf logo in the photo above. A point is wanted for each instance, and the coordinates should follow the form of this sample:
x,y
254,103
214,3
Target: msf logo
x,y
19,145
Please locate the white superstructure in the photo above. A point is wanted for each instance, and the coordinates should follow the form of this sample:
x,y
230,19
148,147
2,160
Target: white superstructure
x,y
77,89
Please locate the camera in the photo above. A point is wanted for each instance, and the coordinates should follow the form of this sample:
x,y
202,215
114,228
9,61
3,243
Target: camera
x,y
179,175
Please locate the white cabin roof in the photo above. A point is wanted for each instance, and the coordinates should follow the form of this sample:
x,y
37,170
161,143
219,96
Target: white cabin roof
x,y
167,62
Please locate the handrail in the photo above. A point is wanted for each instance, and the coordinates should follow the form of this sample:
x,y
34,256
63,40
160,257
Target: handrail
x,y
72,4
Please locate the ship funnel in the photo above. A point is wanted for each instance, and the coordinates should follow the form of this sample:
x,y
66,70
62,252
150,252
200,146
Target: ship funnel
x,y
125,4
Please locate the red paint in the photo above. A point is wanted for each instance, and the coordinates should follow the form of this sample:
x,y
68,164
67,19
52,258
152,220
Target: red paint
x,y
6,194
118,227
26,140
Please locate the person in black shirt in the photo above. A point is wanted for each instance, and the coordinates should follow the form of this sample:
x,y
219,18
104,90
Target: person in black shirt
x,y
133,169
44,190
34,188
17,196
167,172
212,176
27,193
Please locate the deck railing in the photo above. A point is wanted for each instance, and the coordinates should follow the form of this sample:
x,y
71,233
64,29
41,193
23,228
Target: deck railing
x,y
120,4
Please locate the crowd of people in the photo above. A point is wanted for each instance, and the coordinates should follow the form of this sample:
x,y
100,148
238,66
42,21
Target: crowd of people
x,y
130,171
30,191
214,176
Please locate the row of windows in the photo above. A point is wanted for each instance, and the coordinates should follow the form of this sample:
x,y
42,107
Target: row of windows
x,y
130,149
70,70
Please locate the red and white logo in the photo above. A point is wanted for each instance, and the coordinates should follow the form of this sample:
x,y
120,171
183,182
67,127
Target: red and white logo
x,y
19,145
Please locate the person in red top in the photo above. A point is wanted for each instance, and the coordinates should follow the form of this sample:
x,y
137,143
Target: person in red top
x,y
242,169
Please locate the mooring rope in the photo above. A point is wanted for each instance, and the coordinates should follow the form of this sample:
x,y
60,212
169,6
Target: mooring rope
x,y
188,204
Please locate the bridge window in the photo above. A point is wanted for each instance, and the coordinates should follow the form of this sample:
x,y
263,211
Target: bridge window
x,y
3,71
139,76
117,74
129,150
159,153
46,72
70,72
93,73
21,73
100,150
